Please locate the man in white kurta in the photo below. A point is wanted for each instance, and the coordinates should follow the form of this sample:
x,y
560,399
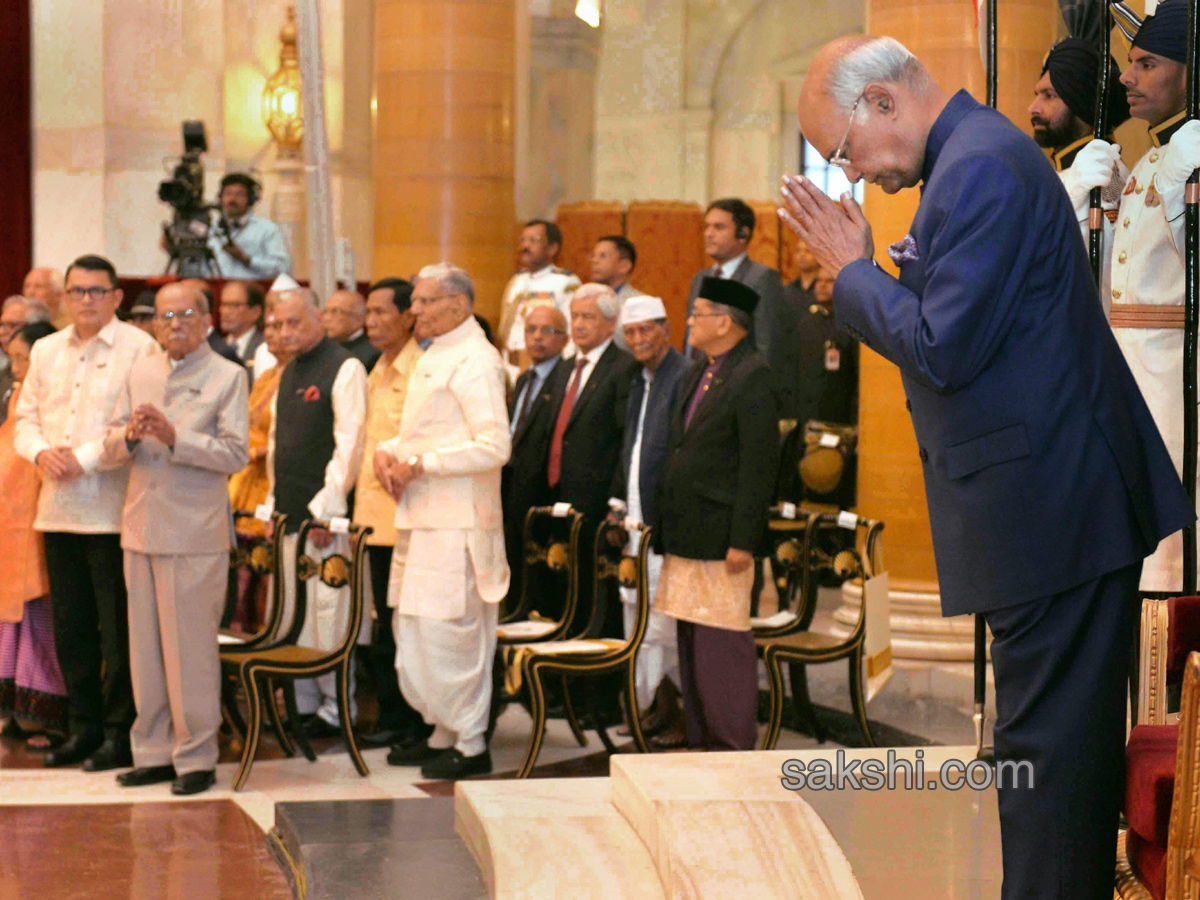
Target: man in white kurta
x,y
1147,270
449,571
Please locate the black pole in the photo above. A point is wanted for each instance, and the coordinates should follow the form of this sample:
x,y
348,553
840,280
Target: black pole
x,y
982,752
1096,213
1191,295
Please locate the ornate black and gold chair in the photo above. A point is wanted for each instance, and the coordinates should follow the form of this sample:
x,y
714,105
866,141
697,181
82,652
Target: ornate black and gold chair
x,y
550,565
261,556
789,535
804,648
261,669
581,658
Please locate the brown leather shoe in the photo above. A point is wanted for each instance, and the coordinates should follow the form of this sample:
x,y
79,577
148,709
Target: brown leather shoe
x,y
673,739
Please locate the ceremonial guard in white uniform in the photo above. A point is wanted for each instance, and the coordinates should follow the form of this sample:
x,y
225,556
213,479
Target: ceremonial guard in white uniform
x,y
1062,115
1147,269
539,283
528,290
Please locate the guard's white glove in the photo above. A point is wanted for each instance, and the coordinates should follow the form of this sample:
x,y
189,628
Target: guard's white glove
x,y
1182,155
1093,167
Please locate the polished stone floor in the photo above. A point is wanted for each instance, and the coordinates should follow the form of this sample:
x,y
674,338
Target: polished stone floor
x,y
136,850
151,831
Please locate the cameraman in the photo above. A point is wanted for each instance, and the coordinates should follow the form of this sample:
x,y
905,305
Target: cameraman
x,y
246,246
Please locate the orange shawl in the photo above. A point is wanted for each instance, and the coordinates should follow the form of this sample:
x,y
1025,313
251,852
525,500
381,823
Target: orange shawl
x,y
25,576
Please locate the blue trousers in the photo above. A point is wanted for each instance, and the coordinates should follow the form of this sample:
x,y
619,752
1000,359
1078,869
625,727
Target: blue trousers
x,y
1061,665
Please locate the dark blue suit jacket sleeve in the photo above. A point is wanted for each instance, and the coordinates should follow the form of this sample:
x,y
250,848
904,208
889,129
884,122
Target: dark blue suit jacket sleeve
x,y
973,273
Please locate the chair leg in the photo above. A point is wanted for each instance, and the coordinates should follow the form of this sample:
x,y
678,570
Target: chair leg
x,y
254,696
537,708
289,702
569,711
856,696
802,708
272,707
775,722
343,695
229,699
632,714
598,722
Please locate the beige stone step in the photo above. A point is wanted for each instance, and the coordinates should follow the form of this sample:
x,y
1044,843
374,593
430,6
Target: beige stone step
x,y
720,825
553,838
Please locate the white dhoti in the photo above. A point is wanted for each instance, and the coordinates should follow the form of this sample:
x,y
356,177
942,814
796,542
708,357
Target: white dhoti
x,y
327,612
445,664
658,657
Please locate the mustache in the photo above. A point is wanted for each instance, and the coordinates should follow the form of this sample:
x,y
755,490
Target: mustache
x,y
1038,120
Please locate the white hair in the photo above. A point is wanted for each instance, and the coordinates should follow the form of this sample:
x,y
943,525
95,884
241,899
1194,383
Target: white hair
x,y
451,278
305,294
35,310
606,300
881,59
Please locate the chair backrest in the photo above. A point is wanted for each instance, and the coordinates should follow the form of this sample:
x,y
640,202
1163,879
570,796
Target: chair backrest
x,y
264,557
1170,631
862,561
790,531
556,553
336,571
1183,836
615,567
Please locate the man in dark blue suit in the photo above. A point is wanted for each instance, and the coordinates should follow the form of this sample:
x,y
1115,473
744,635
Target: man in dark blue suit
x,y
1046,478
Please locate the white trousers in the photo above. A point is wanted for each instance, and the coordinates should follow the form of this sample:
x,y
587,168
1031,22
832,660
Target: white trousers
x,y
326,615
658,657
445,669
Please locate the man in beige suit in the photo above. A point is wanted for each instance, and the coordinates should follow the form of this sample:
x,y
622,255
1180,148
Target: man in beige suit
x,y
184,429
449,570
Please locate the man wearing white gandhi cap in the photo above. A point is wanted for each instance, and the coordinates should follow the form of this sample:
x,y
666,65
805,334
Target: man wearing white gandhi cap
x,y
449,569
652,397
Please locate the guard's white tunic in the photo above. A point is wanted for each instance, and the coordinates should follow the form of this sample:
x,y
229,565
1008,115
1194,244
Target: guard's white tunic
x,y
527,291
1147,268
1110,201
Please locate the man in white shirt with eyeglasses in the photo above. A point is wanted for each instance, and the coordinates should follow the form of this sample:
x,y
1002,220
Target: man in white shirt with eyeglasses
x,y
76,378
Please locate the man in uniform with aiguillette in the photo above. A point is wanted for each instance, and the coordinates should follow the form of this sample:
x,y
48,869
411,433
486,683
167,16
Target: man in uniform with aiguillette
x,y
539,283
1147,272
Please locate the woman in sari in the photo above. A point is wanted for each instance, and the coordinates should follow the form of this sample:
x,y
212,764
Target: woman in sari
x,y
249,488
33,697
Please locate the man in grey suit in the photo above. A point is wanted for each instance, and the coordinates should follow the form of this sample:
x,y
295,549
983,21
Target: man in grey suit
x,y
183,427
728,229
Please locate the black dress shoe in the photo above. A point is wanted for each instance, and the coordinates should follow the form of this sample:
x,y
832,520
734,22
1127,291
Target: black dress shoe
x,y
381,737
76,749
413,754
452,765
194,782
146,775
319,728
110,755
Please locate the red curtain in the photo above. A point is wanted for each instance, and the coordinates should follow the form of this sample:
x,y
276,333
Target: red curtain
x,y
16,150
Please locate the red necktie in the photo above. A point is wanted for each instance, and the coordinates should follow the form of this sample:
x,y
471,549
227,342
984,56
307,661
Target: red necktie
x,y
560,424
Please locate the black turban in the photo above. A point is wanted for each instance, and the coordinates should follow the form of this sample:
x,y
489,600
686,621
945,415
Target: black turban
x,y
1073,65
1165,32
729,293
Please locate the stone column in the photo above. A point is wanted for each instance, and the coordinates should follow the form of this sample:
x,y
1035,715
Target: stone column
x,y
890,484
443,140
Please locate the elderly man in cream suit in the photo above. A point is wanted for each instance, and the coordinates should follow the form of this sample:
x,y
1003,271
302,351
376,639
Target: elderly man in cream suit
x,y
183,427
449,571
